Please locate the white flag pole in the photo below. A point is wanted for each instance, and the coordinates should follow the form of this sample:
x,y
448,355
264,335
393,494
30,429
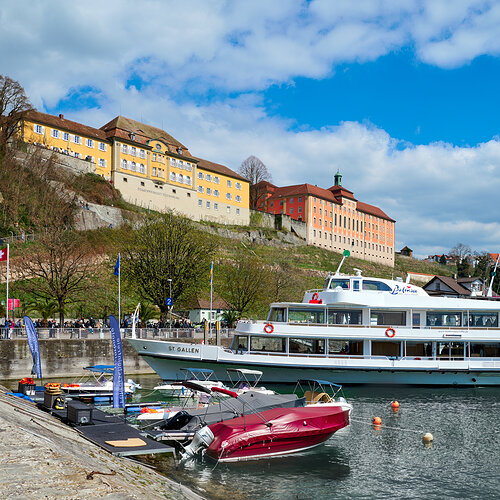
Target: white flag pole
x,y
119,291
7,303
211,295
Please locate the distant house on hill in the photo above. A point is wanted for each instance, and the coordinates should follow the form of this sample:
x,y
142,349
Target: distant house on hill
x,y
448,286
443,259
199,309
406,252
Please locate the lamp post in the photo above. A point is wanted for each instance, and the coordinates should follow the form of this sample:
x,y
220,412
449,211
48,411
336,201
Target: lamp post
x,y
170,286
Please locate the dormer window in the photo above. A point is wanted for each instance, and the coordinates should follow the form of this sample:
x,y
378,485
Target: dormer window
x,y
179,150
158,146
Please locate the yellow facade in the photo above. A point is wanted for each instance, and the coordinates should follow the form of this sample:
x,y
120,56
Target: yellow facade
x,y
73,143
181,172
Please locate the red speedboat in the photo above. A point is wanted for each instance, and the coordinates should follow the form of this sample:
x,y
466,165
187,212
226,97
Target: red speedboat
x,y
271,433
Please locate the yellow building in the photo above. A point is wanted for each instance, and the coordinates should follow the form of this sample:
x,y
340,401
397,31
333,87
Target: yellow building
x,y
69,138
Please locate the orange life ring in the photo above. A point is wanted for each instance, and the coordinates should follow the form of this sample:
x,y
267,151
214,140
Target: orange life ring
x,y
55,385
315,296
269,328
388,332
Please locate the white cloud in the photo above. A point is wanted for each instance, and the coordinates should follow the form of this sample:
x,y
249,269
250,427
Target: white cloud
x,y
440,194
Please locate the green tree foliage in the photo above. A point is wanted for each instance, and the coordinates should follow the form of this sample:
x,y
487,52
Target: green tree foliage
x,y
463,254
230,317
45,308
243,283
166,247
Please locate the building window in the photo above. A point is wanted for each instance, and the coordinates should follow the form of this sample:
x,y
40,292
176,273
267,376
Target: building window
x,y
291,209
237,211
238,185
300,210
216,192
172,176
132,151
208,204
200,175
238,198
55,133
89,143
154,156
187,180
228,209
124,164
216,180
154,171
200,203
142,168
320,222
38,129
229,196
200,189
314,220
314,210
132,166
102,162
300,199
314,232
216,206
124,149
65,136
229,183
142,153
103,147
208,177
209,191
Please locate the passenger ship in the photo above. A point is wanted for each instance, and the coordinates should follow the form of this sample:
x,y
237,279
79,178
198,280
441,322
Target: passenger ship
x,y
356,330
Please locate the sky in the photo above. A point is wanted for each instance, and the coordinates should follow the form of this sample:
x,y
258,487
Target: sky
x,y
401,96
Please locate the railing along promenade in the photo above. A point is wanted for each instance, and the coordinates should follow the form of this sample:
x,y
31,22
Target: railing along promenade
x,y
105,333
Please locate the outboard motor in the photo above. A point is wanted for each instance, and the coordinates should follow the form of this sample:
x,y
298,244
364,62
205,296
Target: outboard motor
x,y
201,440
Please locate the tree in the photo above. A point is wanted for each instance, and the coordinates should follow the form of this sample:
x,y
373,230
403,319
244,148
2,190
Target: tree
x,y
167,247
462,253
483,266
14,104
442,260
243,283
58,267
255,171
45,307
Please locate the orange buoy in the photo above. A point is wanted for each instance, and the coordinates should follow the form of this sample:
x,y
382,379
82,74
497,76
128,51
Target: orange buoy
x,y
377,420
395,405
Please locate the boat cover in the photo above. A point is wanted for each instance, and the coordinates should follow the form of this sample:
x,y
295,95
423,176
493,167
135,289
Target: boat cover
x,y
247,403
280,430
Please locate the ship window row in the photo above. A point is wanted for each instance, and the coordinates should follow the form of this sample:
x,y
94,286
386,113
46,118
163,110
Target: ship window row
x,y
355,348
322,316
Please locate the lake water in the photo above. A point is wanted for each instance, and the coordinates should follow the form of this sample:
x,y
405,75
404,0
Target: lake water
x,y
361,462
364,463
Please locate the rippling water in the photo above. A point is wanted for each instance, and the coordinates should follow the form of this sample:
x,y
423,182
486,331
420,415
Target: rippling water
x,y
361,462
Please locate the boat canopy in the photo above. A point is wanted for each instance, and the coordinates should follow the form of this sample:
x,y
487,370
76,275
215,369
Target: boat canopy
x,y
244,371
197,370
100,368
319,382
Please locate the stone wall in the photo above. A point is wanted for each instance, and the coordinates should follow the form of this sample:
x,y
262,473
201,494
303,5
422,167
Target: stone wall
x,y
65,357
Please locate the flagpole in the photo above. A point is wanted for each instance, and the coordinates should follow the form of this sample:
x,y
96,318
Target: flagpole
x,y
7,305
211,294
119,291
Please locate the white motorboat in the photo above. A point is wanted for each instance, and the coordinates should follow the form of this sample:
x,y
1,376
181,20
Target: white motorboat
x,y
177,389
246,380
98,380
355,330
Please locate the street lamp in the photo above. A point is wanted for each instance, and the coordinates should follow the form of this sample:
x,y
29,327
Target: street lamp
x,y
170,285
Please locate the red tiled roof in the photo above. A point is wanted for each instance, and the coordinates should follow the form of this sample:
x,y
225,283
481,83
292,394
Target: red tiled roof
x,y
340,191
203,303
370,209
304,189
450,283
218,168
64,124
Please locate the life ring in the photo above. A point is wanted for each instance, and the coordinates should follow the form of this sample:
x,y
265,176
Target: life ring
x,y
53,385
390,332
269,328
315,296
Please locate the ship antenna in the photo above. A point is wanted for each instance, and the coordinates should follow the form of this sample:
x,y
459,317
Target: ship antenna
x,y
493,274
345,254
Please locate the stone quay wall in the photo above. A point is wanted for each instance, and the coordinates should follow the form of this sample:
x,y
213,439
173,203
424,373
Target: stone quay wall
x,y
65,357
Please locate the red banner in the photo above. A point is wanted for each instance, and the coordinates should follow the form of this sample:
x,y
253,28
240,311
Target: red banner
x,y
13,303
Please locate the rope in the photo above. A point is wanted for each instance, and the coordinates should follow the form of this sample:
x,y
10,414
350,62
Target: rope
x,y
386,426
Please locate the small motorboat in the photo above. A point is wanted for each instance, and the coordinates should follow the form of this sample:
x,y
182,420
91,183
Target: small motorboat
x,y
270,433
201,376
98,381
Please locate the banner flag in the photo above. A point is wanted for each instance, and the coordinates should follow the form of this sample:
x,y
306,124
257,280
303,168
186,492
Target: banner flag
x,y
34,348
117,267
211,272
118,375
3,254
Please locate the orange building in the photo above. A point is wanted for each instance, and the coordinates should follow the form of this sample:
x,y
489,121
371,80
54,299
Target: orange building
x,y
335,219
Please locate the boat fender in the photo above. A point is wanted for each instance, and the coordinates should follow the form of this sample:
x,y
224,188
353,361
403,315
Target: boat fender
x,y
269,328
390,332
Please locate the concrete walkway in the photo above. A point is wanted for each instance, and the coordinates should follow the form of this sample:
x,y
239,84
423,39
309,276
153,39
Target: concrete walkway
x,y
40,457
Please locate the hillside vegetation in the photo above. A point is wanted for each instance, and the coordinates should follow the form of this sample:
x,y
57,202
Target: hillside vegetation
x,y
41,199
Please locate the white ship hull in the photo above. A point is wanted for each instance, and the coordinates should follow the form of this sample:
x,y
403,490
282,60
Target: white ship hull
x,y
167,358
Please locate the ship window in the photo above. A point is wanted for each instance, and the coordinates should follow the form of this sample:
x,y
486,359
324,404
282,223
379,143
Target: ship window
x,y
388,318
485,350
444,318
350,347
344,317
267,344
450,350
483,320
376,285
306,316
240,342
420,349
341,283
277,314
306,346
385,348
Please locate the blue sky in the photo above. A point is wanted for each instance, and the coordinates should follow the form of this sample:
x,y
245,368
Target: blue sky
x,y
401,96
